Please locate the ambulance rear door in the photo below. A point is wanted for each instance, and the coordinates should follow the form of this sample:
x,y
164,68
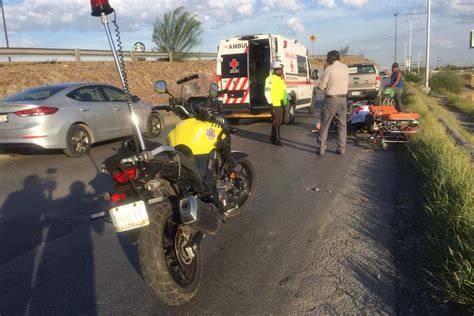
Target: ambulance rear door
x,y
234,75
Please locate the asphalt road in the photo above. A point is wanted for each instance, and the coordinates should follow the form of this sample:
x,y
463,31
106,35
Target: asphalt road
x,y
313,240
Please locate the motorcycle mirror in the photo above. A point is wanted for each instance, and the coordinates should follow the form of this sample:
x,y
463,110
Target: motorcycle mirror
x,y
213,90
100,6
135,99
160,86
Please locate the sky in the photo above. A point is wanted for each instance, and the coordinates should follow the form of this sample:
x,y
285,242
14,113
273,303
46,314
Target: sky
x,y
367,27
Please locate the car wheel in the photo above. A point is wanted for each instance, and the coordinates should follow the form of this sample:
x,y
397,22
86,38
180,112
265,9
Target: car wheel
x,y
78,141
155,125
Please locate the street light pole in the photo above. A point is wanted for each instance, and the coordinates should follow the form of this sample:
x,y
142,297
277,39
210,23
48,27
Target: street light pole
x,y
428,25
406,57
395,15
5,27
409,49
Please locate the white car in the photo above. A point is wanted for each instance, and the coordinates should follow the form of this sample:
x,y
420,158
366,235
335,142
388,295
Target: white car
x,y
72,116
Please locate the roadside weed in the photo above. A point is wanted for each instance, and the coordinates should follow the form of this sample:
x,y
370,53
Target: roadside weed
x,y
448,187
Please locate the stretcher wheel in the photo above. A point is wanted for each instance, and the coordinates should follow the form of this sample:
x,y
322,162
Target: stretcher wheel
x,y
384,145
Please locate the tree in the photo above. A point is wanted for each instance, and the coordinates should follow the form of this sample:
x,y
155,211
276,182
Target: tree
x,y
177,32
343,51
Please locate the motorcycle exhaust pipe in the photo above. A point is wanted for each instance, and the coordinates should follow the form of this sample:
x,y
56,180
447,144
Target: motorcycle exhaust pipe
x,y
199,215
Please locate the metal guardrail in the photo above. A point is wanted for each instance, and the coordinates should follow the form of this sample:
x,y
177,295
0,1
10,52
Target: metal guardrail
x,y
79,53
324,56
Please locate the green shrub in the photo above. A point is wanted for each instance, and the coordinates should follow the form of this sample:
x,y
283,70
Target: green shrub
x,y
413,77
446,81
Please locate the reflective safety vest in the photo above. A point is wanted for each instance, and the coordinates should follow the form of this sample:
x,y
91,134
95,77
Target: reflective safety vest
x,y
275,91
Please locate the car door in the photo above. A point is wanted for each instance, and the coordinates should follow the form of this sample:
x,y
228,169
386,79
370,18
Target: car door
x,y
97,113
118,101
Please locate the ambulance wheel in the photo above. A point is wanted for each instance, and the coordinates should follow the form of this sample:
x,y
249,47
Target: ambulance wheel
x,y
312,106
292,113
286,114
233,121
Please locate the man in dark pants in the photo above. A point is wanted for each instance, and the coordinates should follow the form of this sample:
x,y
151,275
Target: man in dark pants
x,y
277,98
334,83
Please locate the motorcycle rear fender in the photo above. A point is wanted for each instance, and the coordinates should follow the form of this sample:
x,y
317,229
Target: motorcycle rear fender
x,y
238,155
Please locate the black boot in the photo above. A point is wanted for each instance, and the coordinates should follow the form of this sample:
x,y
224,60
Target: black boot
x,y
278,141
273,134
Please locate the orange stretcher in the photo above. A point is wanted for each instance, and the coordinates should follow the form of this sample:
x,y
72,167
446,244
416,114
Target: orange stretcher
x,y
387,125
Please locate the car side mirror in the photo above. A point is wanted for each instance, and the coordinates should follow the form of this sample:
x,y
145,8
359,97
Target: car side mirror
x,y
213,90
135,99
315,74
161,87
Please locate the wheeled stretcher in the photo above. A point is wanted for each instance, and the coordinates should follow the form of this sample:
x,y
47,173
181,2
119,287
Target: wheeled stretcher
x,y
387,125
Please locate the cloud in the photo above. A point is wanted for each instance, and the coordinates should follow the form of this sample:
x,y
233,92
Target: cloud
x,y
24,42
327,3
462,5
292,5
445,43
296,25
355,3
46,15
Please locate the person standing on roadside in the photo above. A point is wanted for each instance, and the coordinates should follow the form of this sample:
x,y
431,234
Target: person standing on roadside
x,y
334,83
277,98
396,82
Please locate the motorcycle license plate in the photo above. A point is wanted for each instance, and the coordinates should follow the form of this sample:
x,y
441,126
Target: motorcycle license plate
x,y
129,216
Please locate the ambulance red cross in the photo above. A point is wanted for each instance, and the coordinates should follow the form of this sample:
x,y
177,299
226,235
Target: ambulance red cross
x,y
243,64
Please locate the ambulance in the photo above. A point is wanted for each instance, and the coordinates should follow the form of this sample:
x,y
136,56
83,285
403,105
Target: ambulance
x,y
243,64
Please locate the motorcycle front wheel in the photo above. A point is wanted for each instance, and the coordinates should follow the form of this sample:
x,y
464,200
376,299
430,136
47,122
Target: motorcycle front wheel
x,y
172,273
244,186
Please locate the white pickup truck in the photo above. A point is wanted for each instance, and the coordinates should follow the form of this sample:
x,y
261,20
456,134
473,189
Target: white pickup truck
x,y
364,82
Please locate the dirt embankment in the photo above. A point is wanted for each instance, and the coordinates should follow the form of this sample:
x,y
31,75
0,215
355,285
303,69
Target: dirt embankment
x,y
142,75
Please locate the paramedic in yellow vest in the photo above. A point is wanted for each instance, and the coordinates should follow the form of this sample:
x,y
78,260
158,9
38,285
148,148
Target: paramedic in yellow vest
x,y
277,98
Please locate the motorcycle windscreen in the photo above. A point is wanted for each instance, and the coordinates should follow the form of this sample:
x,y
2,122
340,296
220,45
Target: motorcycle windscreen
x,y
190,85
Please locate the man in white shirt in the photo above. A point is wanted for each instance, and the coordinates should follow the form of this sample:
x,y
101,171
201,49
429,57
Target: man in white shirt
x,y
334,83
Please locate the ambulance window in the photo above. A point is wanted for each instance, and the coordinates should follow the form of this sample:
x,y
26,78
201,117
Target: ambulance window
x,y
302,65
234,66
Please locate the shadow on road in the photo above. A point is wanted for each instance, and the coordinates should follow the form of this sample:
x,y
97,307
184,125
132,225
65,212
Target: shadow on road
x,y
38,272
265,138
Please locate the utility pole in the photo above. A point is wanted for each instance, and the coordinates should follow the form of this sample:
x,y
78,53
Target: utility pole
x,y
406,60
419,61
428,25
395,15
5,28
409,49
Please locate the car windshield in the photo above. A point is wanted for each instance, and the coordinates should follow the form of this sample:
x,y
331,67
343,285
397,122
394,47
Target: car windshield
x,y
361,69
34,94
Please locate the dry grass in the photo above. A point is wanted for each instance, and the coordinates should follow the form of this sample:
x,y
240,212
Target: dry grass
x,y
318,62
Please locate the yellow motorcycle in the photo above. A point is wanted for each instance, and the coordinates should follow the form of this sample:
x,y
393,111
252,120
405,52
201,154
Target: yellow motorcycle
x,y
168,198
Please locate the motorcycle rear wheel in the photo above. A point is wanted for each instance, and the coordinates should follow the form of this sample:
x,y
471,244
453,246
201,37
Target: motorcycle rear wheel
x,y
172,277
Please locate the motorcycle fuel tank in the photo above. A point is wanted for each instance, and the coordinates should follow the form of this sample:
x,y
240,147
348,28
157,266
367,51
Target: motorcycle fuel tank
x,y
199,136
